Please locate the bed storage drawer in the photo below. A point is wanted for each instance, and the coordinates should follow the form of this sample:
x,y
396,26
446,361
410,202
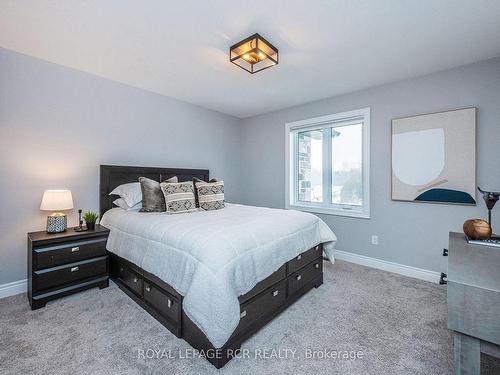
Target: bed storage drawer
x,y
302,259
60,275
261,305
300,278
130,278
50,256
280,274
162,301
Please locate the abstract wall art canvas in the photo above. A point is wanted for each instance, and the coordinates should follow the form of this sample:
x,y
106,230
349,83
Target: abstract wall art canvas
x,y
434,157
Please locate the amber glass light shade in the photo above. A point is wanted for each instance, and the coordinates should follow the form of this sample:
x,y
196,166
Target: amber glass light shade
x,y
254,54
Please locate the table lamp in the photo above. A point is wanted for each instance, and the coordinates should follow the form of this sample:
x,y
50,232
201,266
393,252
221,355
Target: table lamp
x,y
56,201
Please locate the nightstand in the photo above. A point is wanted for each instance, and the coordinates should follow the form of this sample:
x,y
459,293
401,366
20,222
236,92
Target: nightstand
x,y
65,263
473,302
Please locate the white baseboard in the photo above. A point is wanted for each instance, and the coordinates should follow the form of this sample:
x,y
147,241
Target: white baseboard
x,y
13,288
384,265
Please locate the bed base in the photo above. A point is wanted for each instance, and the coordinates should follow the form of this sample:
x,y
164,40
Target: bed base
x,y
258,307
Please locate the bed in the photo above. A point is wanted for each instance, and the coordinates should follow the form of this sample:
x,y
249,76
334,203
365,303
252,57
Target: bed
x,y
213,278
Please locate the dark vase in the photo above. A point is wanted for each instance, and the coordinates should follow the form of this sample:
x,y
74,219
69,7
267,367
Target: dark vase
x,y
91,226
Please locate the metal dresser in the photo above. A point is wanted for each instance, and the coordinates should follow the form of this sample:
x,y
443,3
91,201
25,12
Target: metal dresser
x,y
473,302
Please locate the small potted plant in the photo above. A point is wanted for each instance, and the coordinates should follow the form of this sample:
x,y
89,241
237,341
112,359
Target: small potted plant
x,y
90,219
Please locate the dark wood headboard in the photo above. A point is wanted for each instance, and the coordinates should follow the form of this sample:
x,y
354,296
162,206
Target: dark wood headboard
x,y
112,176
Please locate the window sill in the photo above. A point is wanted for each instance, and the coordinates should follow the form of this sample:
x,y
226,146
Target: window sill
x,y
328,211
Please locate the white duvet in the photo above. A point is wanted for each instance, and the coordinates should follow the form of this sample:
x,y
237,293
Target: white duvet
x,y
212,257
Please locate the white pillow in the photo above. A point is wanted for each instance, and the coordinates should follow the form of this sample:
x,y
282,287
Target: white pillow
x,y
131,193
120,202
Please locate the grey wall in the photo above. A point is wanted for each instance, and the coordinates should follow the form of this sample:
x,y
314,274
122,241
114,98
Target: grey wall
x,y
57,125
409,233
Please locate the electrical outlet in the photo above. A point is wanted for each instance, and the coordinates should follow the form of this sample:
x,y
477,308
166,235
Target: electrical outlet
x,y
374,240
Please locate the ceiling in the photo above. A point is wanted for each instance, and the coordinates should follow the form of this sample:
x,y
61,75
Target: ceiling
x,y
180,48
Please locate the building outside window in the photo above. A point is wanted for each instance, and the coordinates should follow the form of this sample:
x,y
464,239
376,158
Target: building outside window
x,y
328,164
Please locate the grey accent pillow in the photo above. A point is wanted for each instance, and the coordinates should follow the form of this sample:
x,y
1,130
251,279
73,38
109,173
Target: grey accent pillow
x,y
195,181
152,196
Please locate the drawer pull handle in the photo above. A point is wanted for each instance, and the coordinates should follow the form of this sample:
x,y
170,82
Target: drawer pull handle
x,y
135,279
169,303
75,249
299,257
275,293
298,277
243,314
148,288
121,269
74,269
316,265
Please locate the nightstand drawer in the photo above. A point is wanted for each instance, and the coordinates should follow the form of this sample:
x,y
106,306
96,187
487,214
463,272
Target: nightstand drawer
x,y
60,275
52,256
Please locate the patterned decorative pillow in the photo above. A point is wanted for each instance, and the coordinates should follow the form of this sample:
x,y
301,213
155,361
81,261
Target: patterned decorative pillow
x,y
152,195
210,195
195,181
179,197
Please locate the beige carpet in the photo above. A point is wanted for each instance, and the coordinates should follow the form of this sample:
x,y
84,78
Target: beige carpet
x,y
383,323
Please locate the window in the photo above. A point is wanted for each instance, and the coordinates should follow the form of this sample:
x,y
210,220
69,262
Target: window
x,y
328,164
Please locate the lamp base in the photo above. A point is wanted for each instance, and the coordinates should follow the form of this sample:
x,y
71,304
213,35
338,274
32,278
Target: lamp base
x,y
56,223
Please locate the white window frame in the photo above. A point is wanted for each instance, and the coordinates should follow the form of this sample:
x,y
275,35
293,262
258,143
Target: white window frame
x,y
317,123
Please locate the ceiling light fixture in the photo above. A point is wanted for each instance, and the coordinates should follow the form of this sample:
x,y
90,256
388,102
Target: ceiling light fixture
x,y
253,54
